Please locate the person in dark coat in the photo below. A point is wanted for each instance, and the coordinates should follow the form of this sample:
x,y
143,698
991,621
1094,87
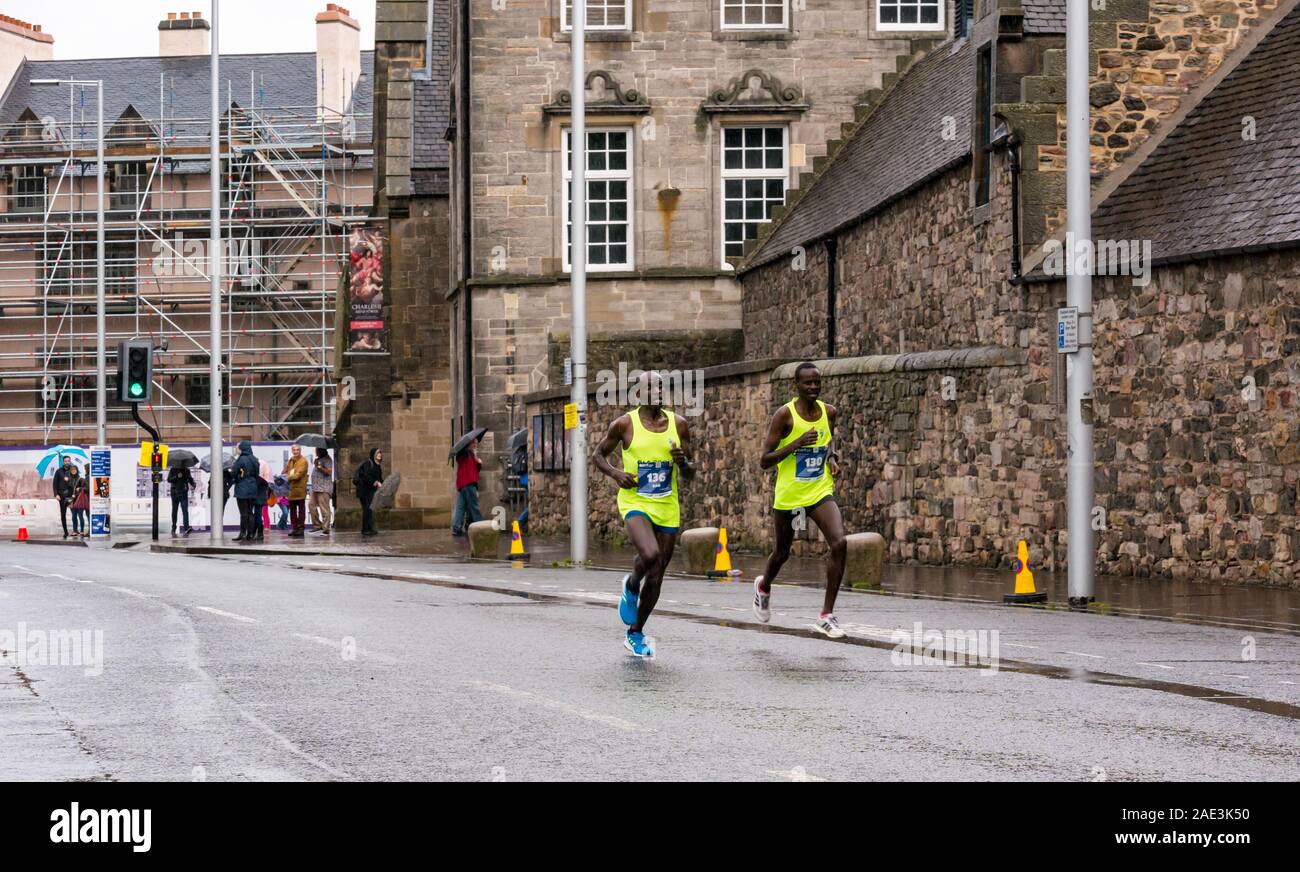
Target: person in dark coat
x,y
263,499
245,475
369,477
182,482
64,478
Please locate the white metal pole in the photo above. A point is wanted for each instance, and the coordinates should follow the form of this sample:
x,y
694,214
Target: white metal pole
x,y
101,375
578,262
215,399
1078,292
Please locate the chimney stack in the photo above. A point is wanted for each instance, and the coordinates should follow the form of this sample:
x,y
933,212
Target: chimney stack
x,y
338,60
184,33
18,40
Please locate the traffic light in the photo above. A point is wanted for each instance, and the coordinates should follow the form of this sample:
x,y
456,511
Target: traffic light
x,y
135,371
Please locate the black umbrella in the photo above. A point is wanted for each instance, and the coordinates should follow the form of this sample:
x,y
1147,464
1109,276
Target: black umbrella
x,y
315,440
179,457
517,440
227,461
463,442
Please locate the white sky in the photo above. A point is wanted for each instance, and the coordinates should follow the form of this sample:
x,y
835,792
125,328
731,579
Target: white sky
x,y
129,28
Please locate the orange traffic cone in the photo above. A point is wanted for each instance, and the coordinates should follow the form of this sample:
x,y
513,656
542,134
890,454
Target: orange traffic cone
x,y
722,561
22,528
1025,591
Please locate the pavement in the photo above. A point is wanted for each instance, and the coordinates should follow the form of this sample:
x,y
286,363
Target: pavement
x,y
309,666
1181,600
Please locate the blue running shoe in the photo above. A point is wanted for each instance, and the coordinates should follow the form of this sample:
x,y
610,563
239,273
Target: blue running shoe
x,y
639,645
627,603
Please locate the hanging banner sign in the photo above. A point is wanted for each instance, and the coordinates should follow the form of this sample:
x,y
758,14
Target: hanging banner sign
x,y
101,494
366,334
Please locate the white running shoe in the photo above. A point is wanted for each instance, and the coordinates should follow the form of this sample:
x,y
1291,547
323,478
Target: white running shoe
x,y
762,601
831,627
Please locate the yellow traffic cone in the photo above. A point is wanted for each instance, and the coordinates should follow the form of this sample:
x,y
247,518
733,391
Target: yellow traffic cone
x,y
1025,591
722,560
517,551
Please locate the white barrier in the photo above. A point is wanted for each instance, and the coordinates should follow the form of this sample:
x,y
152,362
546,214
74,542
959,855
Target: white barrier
x,y
42,518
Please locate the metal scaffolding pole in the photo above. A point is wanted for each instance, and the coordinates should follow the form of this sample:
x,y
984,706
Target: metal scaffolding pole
x,y
217,495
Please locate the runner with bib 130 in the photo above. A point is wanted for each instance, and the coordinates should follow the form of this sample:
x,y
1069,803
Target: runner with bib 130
x,y
656,449
798,444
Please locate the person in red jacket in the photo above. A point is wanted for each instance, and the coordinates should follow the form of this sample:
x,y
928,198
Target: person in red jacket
x,y
467,467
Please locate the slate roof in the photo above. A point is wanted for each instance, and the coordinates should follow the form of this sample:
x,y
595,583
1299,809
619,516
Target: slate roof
x,y
1207,189
1044,16
898,147
283,80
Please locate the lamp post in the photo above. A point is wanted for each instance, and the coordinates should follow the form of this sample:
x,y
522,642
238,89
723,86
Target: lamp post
x,y
1078,292
578,287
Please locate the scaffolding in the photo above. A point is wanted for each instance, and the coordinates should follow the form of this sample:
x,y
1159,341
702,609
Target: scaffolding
x,y
295,181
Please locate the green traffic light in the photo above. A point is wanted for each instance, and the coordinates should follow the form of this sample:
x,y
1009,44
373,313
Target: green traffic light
x,y
137,389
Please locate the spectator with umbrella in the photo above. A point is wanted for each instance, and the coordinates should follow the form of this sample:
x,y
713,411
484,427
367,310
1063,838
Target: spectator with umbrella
x,y
80,505
467,469
322,483
181,482
64,489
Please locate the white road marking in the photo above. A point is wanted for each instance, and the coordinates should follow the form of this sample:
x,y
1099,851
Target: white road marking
x,y
1081,654
607,720
337,644
434,576
796,774
127,590
291,747
70,578
1280,681
582,594
1234,675
1014,645
231,615
1156,665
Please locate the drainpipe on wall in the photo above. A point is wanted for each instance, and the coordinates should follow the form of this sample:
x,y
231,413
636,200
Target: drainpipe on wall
x,y
1013,152
467,214
832,285
428,40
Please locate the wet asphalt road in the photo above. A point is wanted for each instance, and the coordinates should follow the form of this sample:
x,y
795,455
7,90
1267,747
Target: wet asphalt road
x,y
319,668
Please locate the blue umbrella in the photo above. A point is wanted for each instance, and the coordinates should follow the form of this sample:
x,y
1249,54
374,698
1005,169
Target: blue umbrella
x,y
56,453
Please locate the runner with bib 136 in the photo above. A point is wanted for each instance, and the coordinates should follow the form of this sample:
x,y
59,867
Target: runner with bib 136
x,y
656,447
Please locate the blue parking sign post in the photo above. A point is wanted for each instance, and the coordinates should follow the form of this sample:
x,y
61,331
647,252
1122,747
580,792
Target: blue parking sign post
x,y
101,478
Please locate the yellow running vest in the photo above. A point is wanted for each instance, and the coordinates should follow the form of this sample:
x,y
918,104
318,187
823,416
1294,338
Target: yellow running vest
x,y
650,459
803,477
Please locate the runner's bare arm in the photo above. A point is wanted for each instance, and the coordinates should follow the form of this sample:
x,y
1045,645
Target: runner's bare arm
x,y
614,438
682,453
833,459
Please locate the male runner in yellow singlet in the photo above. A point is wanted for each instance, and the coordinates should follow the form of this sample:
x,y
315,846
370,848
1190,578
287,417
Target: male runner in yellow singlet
x,y
798,444
655,450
